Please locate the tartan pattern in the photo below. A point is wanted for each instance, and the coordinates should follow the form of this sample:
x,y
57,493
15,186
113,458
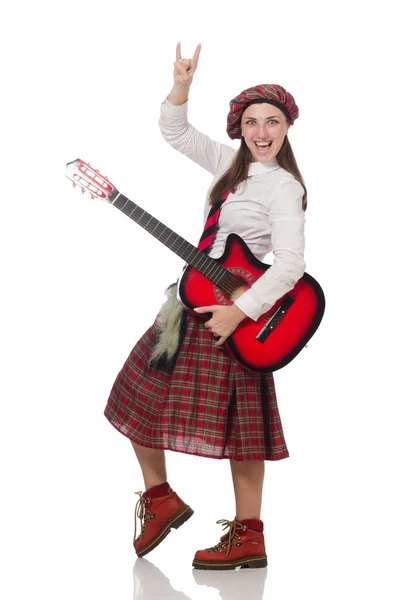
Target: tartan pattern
x,y
211,225
208,406
272,93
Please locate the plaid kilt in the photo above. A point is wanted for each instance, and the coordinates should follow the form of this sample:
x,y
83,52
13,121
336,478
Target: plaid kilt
x,y
207,406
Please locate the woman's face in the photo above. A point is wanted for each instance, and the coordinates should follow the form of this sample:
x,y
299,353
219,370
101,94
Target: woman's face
x,y
261,123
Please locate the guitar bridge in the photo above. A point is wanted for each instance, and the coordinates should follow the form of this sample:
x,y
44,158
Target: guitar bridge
x,y
275,319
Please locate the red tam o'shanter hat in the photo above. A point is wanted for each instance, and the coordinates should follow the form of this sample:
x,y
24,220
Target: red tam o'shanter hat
x,y
270,93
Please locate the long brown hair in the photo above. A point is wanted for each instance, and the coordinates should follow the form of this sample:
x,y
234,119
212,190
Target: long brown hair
x,y
238,171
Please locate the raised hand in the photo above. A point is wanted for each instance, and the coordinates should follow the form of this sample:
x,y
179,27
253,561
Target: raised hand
x,y
184,68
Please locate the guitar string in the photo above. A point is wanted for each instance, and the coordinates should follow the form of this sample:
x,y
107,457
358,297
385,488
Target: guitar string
x,y
213,269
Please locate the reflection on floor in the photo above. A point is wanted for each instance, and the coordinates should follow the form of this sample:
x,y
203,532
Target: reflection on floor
x,y
150,583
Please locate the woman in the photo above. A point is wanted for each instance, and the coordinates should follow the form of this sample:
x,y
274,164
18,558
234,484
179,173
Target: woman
x,y
202,401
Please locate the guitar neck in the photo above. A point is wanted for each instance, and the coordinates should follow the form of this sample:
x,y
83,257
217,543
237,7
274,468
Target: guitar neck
x,y
198,259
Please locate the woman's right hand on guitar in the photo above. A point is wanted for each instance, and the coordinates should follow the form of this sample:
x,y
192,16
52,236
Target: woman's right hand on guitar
x,y
184,68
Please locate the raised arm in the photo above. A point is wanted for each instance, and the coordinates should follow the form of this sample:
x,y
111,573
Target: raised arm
x,y
184,70
178,132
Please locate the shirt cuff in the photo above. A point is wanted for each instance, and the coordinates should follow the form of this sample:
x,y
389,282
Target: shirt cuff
x,y
174,110
250,306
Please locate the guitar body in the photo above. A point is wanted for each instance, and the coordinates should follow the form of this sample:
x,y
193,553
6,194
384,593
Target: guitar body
x,y
287,338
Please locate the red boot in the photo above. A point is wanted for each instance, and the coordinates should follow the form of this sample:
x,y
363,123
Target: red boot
x,y
239,547
158,516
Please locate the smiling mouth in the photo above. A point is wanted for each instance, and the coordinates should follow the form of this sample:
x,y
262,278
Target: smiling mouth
x,y
263,147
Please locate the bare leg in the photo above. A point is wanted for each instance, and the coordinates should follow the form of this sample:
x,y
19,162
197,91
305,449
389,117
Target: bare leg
x,y
248,479
152,462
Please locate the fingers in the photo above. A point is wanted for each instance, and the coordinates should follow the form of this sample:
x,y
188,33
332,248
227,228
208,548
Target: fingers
x,y
193,62
178,51
196,56
204,309
181,72
221,340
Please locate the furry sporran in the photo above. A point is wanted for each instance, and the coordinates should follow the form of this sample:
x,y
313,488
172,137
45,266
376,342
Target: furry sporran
x,y
170,330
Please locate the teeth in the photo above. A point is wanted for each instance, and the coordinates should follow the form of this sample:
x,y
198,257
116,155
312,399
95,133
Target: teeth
x,y
262,143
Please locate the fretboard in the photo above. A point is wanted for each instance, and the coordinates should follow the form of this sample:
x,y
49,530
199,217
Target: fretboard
x,y
198,259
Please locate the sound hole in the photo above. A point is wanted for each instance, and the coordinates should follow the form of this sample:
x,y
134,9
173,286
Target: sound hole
x,y
233,287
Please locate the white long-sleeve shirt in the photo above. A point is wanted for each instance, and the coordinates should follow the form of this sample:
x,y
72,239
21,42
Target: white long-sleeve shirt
x,y
265,210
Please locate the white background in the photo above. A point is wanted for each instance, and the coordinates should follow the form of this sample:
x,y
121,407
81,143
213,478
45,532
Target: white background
x,y
81,282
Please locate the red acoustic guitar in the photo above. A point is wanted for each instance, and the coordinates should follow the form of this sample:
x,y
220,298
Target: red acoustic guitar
x,y
265,345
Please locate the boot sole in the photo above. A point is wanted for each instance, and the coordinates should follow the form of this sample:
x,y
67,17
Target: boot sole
x,y
176,521
251,562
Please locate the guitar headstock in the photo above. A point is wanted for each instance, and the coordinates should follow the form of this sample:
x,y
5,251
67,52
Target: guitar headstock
x,y
90,180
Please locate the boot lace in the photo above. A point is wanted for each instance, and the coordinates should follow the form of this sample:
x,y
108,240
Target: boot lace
x,y
143,513
228,538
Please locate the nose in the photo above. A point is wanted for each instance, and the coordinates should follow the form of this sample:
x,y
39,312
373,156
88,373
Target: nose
x,y
261,130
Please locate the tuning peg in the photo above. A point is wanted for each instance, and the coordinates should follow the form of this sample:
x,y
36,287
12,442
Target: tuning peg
x,y
82,190
92,196
74,184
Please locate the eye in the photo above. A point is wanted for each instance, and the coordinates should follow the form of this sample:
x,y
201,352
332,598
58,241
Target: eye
x,y
253,122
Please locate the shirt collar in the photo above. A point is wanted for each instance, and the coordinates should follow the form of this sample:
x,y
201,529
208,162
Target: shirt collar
x,y
257,168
